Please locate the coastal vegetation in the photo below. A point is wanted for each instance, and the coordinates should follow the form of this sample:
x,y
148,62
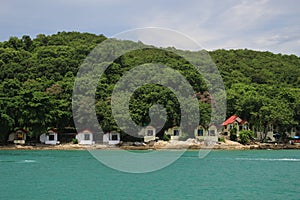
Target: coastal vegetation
x,y
37,78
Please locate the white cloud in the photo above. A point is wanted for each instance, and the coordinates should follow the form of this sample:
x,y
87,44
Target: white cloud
x,y
234,24
266,25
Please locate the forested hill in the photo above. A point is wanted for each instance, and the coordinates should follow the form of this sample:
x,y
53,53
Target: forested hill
x,y
37,77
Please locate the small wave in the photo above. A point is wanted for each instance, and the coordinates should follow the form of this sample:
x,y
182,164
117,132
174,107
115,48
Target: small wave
x,y
270,159
18,161
27,161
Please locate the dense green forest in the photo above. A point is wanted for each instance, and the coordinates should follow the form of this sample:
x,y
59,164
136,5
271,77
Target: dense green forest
x,y
37,78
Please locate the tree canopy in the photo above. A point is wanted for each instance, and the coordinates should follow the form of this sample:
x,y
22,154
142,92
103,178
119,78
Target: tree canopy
x,y
37,78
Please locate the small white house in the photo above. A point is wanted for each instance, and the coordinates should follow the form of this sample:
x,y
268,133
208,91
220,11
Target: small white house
x,y
111,138
149,133
85,137
19,136
174,133
206,134
51,137
269,135
200,132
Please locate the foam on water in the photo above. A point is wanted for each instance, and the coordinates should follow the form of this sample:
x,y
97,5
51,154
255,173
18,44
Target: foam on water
x,y
27,161
18,161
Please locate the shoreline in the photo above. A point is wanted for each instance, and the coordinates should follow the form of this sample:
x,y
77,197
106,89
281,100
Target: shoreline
x,y
160,145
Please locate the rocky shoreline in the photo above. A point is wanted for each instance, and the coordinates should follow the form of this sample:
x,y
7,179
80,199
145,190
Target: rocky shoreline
x,y
159,145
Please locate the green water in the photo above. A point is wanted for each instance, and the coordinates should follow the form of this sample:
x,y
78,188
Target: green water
x,y
220,175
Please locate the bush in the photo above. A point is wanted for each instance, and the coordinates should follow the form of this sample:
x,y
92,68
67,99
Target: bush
x,y
222,139
245,136
166,137
233,137
75,141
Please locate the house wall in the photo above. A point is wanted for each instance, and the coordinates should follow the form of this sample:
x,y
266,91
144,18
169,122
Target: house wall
x,y
81,140
20,141
292,133
44,138
11,137
206,135
170,132
111,141
148,138
144,132
53,142
260,135
107,138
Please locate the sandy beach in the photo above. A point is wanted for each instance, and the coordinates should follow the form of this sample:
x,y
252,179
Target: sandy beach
x,y
159,145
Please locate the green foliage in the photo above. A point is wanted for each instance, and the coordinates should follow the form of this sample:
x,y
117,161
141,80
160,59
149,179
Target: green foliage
x,y
233,137
245,136
37,77
74,141
233,133
166,137
221,139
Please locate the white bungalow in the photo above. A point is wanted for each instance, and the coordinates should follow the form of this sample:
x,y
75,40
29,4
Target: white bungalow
x,y
111,138
200,132
51,137
234,121
18,137
174,133
269,135
85,137
149,133
206,134
292,133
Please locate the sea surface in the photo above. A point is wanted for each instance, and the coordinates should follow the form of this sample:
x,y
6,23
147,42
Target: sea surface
x,y
53,174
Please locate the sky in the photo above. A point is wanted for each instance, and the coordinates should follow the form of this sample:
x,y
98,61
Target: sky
x,y
264,25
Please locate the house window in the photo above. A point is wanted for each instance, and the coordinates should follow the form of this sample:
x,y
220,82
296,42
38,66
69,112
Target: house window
x,y
212,132
149,132
51,137
19,136
200,132
86,136
114,137
176,132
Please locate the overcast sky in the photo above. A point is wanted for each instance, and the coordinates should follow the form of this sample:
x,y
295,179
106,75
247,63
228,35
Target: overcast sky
x,y
267,25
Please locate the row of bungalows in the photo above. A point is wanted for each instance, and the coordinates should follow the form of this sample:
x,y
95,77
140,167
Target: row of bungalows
x,y
174,133
148,133
51,137
88,137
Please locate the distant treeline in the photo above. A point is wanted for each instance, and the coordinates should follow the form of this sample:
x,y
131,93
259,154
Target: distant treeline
x,y
37,78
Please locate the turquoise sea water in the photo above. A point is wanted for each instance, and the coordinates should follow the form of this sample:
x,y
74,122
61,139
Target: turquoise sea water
x,y
220,175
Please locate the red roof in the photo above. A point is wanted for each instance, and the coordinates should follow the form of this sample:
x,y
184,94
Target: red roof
x,y
232,119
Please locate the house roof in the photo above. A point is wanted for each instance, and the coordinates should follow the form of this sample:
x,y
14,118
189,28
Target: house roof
x,y
243,121
149,127
85,131
52,130
232,119
22,130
